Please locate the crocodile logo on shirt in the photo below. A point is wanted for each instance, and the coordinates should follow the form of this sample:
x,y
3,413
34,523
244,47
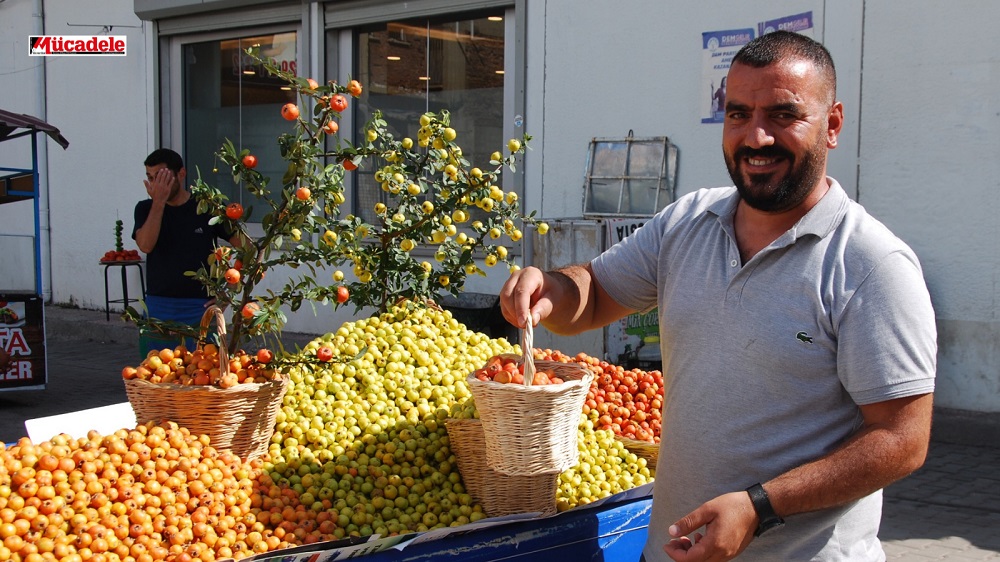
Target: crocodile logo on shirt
x,y
804,337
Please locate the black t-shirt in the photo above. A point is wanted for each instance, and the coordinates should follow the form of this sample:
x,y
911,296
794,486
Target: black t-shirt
x,y
185,242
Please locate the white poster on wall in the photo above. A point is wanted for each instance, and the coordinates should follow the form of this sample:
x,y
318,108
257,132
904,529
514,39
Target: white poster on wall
x,y
718,49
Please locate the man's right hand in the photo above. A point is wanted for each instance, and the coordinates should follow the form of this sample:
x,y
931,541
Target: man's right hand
x,y
160,186
524,293
567,301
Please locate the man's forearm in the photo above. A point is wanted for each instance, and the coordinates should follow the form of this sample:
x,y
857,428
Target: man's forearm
x,y
568,289
878,455
147,235
579,302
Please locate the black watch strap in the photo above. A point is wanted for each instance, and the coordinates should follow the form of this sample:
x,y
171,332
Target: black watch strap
x,y
768,519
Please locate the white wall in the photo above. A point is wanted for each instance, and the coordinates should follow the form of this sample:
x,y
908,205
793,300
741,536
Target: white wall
x,y
592,75
100,106
930,169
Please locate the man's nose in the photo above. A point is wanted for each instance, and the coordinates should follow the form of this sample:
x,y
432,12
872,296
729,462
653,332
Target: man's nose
x,y
759,133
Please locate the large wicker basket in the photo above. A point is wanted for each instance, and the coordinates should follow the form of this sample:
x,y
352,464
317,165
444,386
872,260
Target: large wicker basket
x,y
532,429
240,418
498,493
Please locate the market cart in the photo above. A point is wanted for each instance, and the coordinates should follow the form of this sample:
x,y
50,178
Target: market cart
x,y
22,321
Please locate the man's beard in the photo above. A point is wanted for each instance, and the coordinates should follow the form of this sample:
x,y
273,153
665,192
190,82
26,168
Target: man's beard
x,y
761,192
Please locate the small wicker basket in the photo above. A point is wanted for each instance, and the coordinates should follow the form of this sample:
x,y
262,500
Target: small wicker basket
x,y
498,493
642,449
532,429
240,418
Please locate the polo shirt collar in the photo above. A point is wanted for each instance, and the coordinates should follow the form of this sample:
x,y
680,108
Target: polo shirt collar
x,y
820,221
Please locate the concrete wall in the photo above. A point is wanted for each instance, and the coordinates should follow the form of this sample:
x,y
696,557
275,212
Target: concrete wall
x,y
919,148
100,106
929,168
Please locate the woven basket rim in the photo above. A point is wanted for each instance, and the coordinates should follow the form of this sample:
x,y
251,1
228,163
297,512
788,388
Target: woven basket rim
x,y
241,387
551,388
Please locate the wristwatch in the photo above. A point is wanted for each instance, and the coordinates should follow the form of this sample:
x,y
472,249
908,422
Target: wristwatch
x,y
765,513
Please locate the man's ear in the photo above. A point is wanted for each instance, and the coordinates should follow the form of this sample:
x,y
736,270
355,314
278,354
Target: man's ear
x,y
181,176
835,122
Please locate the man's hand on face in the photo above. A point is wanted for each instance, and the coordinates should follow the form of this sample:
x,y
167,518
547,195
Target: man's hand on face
x,y
160,185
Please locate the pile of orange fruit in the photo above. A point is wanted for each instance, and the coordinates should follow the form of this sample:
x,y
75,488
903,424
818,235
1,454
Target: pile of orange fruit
x,y
627,402
120,255
508,369
156,492
201,367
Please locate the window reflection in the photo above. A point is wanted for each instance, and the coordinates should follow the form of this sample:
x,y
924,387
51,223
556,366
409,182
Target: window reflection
x,y
413,66
226,95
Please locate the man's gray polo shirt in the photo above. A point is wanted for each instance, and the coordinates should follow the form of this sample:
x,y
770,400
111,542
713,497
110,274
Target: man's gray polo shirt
x,y
765,363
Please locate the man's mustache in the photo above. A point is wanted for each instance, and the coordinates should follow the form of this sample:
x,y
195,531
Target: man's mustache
x,y
764,152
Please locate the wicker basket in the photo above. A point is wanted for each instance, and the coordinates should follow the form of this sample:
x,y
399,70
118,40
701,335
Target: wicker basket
x,y
532,429
240,418
643,449
498,493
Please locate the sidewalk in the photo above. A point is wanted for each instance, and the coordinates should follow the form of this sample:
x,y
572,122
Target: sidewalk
x,y
948,510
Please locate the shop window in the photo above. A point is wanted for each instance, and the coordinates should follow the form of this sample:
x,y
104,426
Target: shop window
x,y
410,67
226,95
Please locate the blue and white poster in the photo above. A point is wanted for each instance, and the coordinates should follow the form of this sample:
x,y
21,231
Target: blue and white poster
x,y
799,23
718,49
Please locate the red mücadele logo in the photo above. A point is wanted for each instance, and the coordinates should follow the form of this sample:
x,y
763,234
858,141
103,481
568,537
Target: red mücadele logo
x,y
93,45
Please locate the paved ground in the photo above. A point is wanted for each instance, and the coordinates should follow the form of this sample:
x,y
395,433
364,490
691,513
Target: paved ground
x,y
948,510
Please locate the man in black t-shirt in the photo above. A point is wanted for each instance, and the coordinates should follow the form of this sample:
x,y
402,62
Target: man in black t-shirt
x,y
175,239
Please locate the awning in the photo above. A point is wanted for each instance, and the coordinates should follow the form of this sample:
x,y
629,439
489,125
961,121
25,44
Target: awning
x,y
11,125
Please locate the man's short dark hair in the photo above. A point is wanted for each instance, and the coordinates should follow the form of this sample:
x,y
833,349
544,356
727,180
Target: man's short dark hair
x,y
781,45
166,156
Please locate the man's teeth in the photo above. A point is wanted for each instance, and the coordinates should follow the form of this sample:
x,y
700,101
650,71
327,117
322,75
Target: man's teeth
x,y
760,161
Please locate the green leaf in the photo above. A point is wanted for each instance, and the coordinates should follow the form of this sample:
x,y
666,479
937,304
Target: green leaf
x,y
290,174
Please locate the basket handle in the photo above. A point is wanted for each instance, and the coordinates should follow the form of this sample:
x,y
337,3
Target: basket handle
x,y
527,345
214,312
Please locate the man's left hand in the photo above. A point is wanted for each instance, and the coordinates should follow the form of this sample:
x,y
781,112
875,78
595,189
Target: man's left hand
x,y
729,522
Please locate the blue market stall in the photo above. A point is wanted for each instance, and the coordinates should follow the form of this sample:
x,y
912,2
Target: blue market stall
x,y
22,322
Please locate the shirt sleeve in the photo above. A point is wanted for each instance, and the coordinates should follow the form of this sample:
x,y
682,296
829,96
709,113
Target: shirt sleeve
x,y
628,270
140,215
887,336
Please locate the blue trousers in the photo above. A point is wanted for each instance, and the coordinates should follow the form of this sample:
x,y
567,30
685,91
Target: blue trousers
x,y
187,311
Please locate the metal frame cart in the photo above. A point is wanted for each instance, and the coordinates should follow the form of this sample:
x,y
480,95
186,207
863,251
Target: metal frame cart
x,y
22,314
